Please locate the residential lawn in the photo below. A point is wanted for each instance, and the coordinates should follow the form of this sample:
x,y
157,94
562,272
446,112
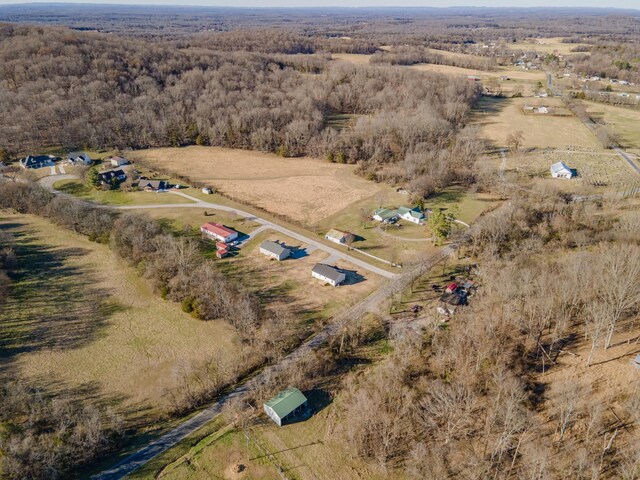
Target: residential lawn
x,y
547,45
80,319
79,189
288,284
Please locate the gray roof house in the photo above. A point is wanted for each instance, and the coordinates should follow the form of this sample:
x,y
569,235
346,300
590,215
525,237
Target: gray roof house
x,y
328,274
274,250
153,185
79,158
38,161
112,175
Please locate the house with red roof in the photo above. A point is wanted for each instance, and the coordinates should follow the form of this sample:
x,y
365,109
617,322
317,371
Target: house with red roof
x,y
218,232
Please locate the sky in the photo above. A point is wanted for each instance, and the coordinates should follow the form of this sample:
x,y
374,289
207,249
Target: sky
x,y
635,4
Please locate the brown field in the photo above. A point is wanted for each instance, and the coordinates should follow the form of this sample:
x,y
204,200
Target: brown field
x,y
499,117
355,58
303,189
81,318
289,283
546,45
625,122
594,168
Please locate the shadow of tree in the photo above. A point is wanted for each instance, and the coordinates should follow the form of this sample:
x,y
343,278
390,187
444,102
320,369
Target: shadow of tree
x,y
52,304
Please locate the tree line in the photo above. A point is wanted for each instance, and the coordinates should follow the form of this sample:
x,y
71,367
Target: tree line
x,y
79,90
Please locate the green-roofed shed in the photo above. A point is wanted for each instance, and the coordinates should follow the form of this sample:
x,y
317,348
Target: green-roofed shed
x,y
285,405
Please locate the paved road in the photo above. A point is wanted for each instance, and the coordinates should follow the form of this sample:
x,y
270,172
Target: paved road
x,y
372,303
335,253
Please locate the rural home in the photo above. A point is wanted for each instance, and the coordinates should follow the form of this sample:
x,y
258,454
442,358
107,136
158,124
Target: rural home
x,y
328,274
339,237
110,176
38,161
411,214
153,185
79,158
217,231
385,215
541,110
274,250
561,170
285,406
118,161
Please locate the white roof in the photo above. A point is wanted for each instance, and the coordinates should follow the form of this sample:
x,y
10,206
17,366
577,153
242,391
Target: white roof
x,y
560,167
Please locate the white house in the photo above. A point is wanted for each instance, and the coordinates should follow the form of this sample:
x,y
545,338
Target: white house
x,y
79,158
285,406
561,170
541,110
413,215
274,250
217,231
385,215
339,237
328,274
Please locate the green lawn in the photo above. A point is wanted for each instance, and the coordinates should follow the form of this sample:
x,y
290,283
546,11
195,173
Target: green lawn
x,y
115,197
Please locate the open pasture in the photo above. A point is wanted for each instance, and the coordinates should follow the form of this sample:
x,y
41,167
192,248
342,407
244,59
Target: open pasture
x,y
78,318
500,117
625,122
302,189
546,45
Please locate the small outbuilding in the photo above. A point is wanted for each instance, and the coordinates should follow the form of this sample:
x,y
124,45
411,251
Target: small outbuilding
x,y
339,237
561,170
217,231
285,406
385,215
274,250
118,161
207,191
328,274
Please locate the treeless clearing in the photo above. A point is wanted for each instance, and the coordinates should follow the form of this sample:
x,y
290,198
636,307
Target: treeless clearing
x,y
625,122
303,189
355,58
546,45
79,317
289,284
499,117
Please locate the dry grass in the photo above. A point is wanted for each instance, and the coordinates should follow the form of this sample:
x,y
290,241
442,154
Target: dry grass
x,y
546,45
355,58
499,117
303,189
625,122
80,317
288,284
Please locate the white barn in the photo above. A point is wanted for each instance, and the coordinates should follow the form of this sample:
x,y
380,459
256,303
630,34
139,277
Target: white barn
x,y
274,250
285,406
328,274
561,170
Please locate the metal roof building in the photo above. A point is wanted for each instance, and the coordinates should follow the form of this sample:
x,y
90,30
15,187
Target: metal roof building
x,y
285,405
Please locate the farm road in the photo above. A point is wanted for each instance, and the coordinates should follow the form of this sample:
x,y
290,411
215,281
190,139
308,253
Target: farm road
x,y
334,253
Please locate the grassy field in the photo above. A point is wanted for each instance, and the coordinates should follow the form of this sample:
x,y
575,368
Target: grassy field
x,y
79,189
288,284
499,117
81,320
546,45
595,168
403,242
302,189
625,122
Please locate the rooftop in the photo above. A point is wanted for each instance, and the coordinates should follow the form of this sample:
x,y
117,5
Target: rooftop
x,y
218,229
327,271
273,247
286,401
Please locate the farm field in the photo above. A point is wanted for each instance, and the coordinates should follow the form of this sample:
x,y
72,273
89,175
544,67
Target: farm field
x,y
80,319
595,169
288,284
547,45
302,189
116,197
625,122
499,117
